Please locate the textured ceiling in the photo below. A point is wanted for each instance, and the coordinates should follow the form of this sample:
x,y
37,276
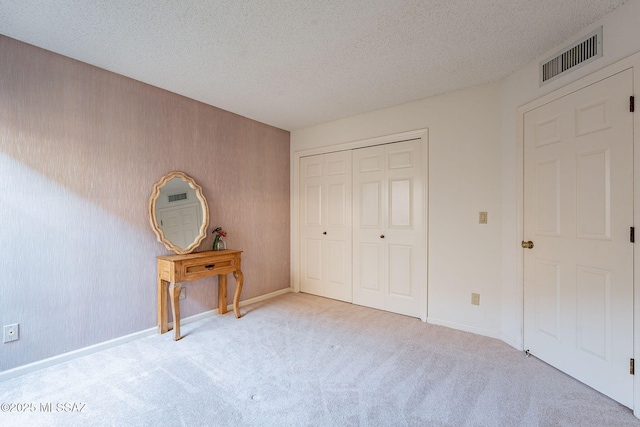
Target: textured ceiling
x,y
293,64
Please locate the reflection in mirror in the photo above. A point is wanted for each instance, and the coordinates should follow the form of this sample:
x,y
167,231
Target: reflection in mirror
x,y
178,212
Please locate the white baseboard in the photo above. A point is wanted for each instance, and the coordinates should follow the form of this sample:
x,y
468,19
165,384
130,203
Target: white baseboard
x,y
85,351
64,357
262,298
467,328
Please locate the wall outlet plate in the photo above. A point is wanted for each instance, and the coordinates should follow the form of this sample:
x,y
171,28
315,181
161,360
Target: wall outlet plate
x,y
475,299
183,293
483,217
11,333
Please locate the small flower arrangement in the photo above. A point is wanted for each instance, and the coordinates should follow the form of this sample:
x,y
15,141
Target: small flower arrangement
x,y
218,243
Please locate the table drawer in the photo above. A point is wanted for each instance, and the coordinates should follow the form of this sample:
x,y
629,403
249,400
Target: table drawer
x,y
209,267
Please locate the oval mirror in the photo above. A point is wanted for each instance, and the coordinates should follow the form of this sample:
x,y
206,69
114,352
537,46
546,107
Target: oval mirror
x,y
178,212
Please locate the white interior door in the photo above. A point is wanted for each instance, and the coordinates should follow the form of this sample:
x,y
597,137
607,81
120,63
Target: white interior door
x,y
578,196
389,240
325,225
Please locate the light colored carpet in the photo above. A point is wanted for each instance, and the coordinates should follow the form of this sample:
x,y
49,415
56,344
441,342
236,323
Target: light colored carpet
x,y
300,360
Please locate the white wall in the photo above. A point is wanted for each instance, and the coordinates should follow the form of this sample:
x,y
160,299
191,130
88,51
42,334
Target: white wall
x,y
621,38
464,178
474,165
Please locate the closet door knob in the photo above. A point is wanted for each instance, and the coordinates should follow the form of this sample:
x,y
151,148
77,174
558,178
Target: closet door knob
x,y
324,232
382,236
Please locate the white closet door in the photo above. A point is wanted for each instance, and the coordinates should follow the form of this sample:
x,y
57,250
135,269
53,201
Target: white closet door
x,y
325,225
180,225
389,238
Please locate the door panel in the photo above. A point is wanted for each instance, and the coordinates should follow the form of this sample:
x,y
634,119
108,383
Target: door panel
x,y
400,201
389,235
547,295
313,205
400,268
337,255
325,225
578,204
594,312
547,203
313,259
311,170
337,205
371,271
594,195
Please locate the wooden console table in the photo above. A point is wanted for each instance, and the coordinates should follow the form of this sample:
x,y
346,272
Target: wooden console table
x,y
174,269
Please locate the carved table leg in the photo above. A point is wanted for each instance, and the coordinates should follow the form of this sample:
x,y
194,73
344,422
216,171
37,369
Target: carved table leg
x,y
174,295
236,297
162,307
222,293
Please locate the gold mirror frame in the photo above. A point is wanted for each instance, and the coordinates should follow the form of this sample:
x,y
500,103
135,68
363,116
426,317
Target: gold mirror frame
x,y
153,199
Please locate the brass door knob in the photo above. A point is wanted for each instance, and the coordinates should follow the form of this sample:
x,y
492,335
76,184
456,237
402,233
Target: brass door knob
x,y
527,245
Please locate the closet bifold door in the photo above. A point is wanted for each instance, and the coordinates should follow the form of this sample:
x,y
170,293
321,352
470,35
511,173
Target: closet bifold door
x,y
326,225
389,241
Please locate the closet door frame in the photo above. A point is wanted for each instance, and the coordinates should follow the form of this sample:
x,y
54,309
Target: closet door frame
x,y
421,134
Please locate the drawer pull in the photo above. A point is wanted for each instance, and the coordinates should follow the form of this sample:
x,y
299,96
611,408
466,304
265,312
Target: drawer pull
x,y
210,266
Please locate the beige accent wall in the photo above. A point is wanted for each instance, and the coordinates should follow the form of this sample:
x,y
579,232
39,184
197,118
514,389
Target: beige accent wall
x,y
80,149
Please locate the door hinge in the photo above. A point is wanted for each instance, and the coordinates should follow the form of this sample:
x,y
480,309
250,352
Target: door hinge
x,y
631,368
632,104
632,234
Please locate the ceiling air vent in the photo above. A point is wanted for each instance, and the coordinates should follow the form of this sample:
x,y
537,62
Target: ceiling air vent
x,y
177,197
585,50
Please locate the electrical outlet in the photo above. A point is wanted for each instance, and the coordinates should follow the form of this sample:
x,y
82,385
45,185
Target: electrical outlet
x,y
482,218
183,293
11,333
475,299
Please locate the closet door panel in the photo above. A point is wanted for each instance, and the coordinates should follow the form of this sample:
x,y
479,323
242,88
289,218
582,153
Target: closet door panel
x,y
369,258
325,225
389,215
311,217
406,234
